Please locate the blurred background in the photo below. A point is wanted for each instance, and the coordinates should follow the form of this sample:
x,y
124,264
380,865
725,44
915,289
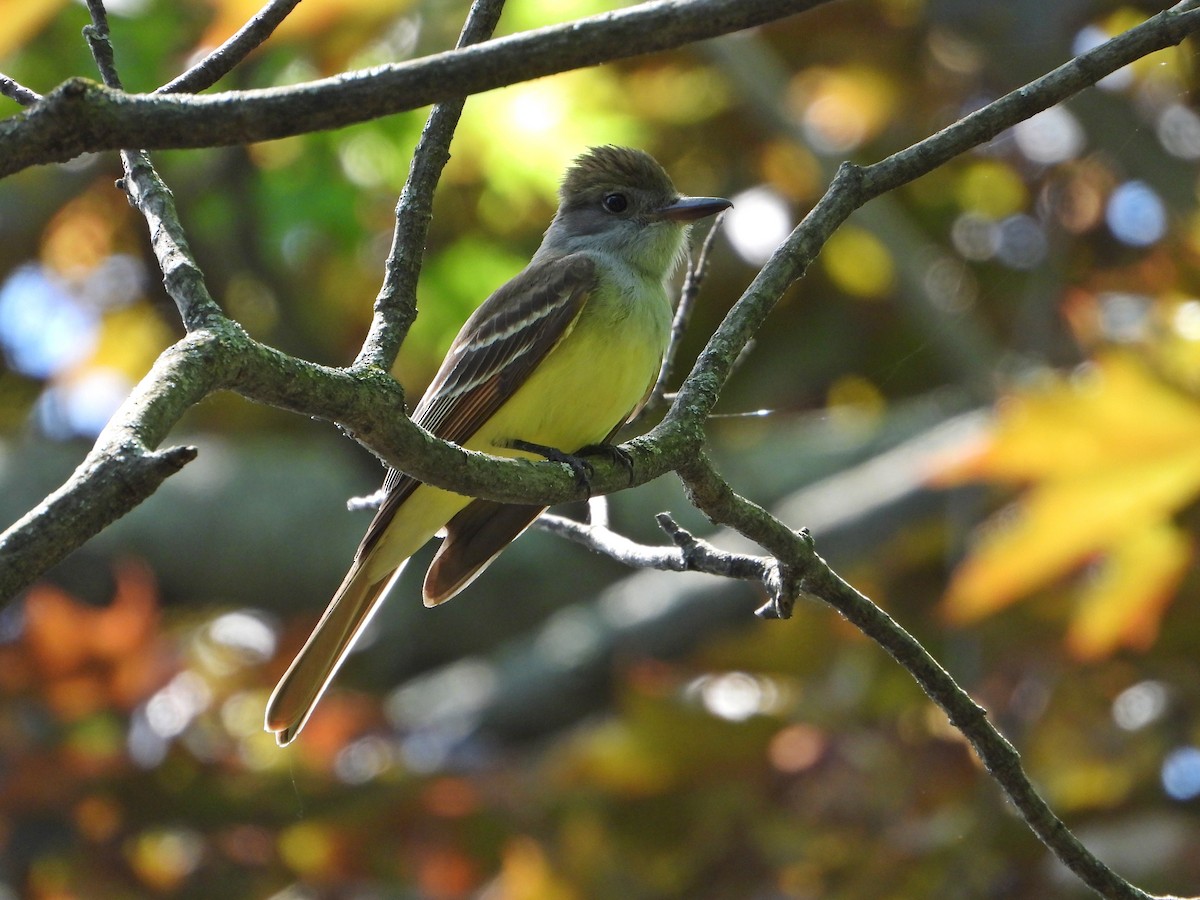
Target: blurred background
x,y
983,400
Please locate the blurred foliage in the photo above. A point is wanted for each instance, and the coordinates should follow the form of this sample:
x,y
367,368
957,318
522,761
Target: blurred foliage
x,y
570,730
1124,464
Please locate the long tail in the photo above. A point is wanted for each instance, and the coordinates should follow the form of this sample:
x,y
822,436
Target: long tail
x,y
310,673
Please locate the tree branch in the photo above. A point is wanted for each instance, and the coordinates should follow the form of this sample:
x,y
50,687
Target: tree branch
x,y
100,42
690,554
366,403
810,574
121,471
396,303
853,187
14,91
217,64
80,116
182,277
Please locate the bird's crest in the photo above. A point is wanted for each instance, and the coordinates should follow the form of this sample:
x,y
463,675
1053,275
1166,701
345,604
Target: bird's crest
x,y
609,166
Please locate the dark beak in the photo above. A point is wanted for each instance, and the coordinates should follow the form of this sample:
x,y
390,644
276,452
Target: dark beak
x,y
687,209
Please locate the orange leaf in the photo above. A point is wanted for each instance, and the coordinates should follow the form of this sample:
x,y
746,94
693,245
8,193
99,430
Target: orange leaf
x,y
91,657
131,619
57,629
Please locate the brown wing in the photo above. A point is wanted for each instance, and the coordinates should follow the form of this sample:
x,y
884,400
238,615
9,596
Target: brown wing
x,y
477,535
500,344
474,537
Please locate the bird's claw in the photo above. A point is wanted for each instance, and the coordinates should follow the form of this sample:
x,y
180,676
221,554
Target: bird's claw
x,y
580,467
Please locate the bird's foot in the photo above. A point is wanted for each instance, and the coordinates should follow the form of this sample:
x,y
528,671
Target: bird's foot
x,y
581,468
613,453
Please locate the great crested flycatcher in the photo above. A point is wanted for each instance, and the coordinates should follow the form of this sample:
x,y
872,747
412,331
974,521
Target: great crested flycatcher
x,y
560,357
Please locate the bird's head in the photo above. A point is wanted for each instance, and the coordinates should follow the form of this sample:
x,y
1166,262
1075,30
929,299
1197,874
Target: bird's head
x,y
621,202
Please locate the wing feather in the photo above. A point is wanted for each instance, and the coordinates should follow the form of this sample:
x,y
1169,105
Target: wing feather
x,y
496,350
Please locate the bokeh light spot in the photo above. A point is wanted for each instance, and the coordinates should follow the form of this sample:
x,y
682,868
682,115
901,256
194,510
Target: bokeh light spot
x,y
163,858
42,329
991,188
246,632
951,285
1052,136
1124,317
1022,242
796,748
363,760
1186,320
1136,215
858,262
1181,774
759,221
975,237
83,405
843,108
735,696
1140,705
1178,130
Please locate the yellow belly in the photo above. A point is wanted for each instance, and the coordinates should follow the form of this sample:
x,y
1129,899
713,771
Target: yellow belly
x,y
584,388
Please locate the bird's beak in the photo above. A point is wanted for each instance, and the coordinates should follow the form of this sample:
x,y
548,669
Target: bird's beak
x,y
687,209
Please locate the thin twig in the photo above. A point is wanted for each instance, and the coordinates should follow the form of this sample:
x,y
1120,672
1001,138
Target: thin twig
x,y
690,553
612,544
696,272
854,186
182,276
811,574
365,401
217,64
16,91
396,303
100,41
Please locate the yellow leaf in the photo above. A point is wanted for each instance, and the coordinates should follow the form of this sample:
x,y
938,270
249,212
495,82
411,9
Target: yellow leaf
x,y
1124,604
23,19
1114,412
1063,522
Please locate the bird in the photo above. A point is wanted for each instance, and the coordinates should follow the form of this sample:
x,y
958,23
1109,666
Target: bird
x,y
556,360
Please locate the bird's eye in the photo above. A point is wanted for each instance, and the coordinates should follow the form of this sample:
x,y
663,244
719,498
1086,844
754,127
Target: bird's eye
x,y
615,203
